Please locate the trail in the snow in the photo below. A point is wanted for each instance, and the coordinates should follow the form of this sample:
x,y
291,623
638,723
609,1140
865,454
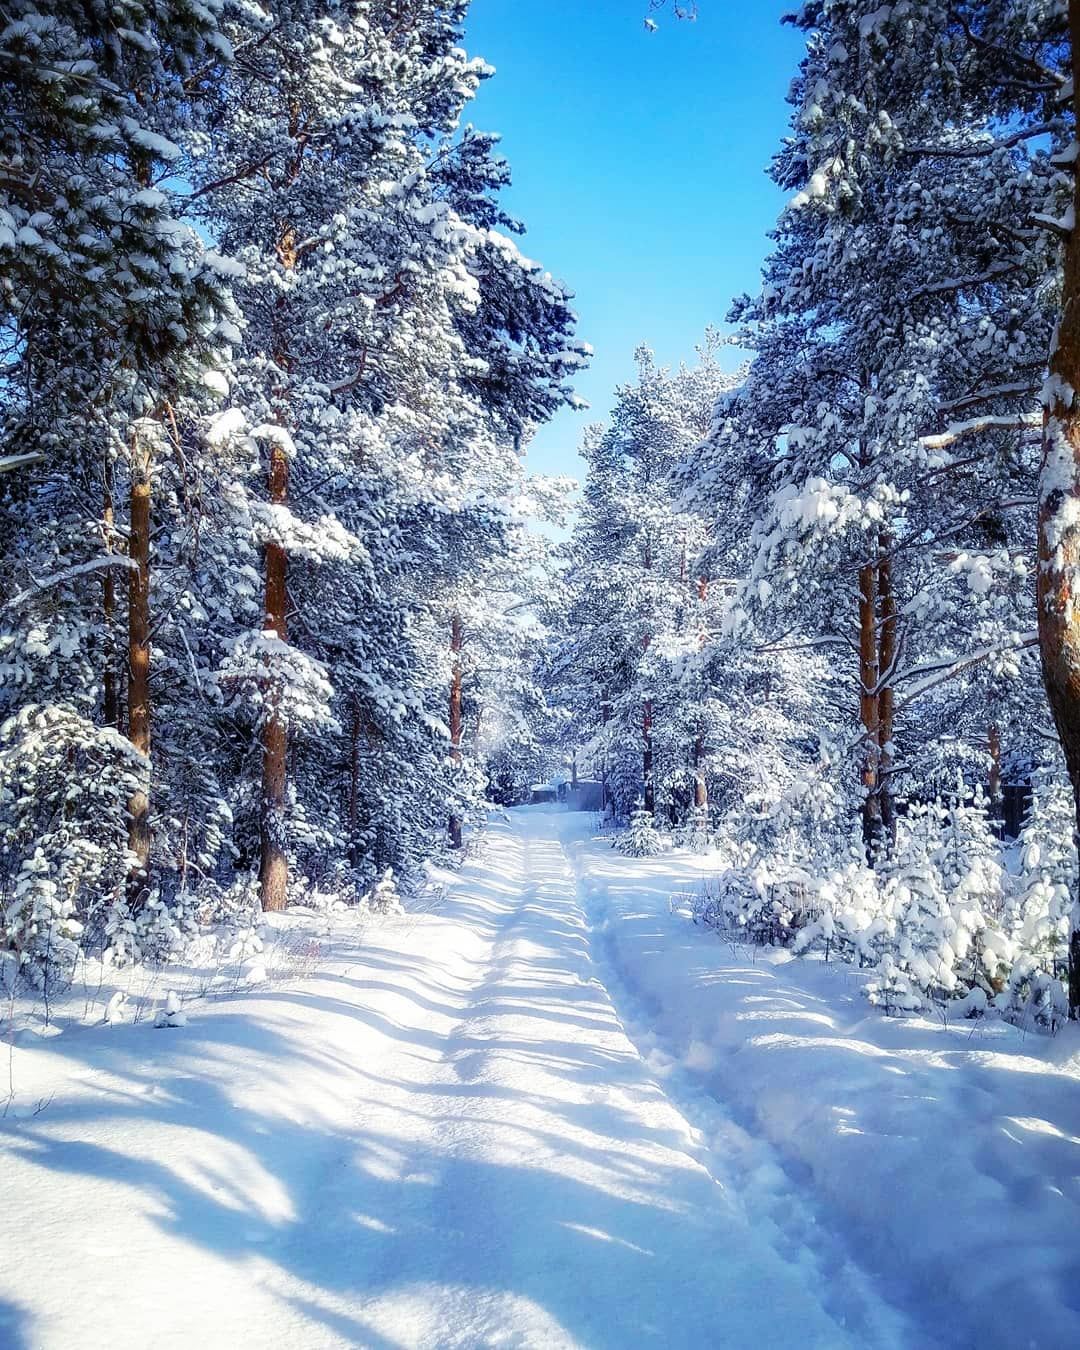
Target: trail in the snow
x,y
772,1196
446,1138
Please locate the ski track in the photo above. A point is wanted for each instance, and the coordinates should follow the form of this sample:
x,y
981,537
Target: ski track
x,y
446,1138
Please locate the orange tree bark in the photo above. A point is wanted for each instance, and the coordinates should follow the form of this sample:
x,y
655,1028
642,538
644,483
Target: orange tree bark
x,y
273,859
274,866
869,706
887,637
139,660
110,683
1059,521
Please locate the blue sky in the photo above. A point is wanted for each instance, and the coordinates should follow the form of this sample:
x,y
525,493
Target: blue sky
x,y
639,167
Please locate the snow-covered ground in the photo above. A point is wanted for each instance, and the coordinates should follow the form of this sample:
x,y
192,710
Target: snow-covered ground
x,y
549,1113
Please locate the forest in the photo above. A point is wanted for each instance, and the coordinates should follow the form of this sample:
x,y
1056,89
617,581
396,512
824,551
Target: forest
x,y
278,618
290,628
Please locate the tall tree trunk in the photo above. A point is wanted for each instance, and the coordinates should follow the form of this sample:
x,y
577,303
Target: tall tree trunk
x,y
1059,511
110,683
274,865
273,859
647,725
354,781
887,639
993,743
139,660
647,756
605,718
701,791
456,643
869,706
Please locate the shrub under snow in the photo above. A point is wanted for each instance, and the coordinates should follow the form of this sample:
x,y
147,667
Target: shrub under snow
x,y
939,920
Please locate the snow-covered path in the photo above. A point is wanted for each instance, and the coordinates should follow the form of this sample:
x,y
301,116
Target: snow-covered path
x,y
444,1138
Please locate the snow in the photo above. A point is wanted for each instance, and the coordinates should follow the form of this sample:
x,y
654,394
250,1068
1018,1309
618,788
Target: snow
x,y
548,1112
943,1157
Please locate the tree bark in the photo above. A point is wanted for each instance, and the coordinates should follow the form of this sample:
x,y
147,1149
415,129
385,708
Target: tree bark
x,y
993,739
647,727
110,682
139,663
887,639
456,644
273,859
354,781
869,707
647,756
1059,530
274,865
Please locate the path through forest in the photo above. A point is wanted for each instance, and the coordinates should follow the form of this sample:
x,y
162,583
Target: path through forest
x,y
444,1137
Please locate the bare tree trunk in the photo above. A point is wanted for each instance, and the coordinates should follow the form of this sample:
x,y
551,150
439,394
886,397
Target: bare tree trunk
x,y
273,859
886,702
647,756
1059,535
456,643
701,791
869,706
110,683
993,740
274,865
139,661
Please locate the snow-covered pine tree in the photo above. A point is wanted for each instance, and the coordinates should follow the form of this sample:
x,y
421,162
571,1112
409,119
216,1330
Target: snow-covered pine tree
x,y
879,523
629,668
113,312
642,839
404,346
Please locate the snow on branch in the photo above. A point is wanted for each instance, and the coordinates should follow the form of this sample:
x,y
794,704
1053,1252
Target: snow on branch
x,y
9,462
938,672
69,574
983,148
958,430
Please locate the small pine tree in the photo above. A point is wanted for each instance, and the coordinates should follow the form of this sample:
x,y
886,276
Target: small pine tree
x,y
696,834
642,839
919,957
969,860
1040,913
384,897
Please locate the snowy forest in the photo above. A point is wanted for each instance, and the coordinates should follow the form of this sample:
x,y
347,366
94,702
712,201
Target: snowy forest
x,y
292,637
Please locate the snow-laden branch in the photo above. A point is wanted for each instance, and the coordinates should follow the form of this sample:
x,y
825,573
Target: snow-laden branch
x,y
938,672
968,283
107,560
9,462
958,430
983,149
990,391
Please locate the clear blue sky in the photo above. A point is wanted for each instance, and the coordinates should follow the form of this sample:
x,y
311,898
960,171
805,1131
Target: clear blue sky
x,y
639,167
